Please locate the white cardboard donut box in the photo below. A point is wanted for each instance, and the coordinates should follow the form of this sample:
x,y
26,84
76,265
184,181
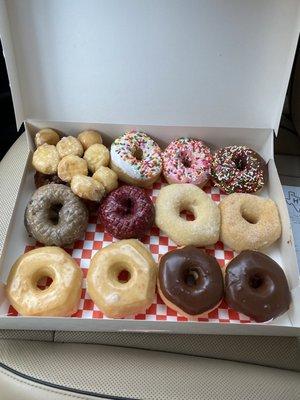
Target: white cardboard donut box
x,y
213,70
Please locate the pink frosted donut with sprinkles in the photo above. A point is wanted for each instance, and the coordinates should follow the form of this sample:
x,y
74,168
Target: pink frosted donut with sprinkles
x,y
187,160
136,159
238,169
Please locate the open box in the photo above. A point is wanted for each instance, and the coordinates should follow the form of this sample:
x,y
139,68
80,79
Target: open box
x,y
221,68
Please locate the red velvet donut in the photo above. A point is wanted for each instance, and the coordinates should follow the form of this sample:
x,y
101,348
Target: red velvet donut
x,y
127,212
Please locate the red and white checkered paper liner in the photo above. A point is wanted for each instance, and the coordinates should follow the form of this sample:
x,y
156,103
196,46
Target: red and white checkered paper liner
x,y
96,238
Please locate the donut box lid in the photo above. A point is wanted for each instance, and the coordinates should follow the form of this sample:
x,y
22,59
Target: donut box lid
x,y
165,62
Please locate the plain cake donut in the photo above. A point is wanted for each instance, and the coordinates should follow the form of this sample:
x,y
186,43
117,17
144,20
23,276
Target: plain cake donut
x,y
118,298
172,199
249,222
60,299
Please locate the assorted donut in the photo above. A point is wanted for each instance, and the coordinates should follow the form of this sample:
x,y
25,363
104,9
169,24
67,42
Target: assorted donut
x,y
76,176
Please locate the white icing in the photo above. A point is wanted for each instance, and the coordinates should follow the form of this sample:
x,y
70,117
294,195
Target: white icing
x,y
125,166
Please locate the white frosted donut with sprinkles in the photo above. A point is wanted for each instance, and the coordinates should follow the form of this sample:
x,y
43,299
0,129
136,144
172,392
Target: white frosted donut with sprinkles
x,y
136,159
187,160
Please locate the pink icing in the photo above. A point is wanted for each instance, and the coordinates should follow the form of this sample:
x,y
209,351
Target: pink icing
x,y
187,161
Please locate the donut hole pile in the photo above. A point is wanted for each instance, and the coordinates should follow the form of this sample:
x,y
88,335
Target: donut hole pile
x,y
82,163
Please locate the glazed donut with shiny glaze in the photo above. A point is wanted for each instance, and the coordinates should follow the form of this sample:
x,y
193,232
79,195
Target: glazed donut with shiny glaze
x,y
60,299
117,298
190,281
256,286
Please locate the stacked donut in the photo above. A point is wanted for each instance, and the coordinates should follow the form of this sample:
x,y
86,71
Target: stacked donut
x,y
122,277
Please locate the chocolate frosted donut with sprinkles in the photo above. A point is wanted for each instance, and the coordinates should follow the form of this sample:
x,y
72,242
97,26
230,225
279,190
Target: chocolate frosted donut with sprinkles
x,y
238,169
187,160
136,159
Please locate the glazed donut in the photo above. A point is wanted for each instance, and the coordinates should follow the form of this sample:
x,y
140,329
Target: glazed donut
x,y
256,286
43,179
87,188
69,145
136,159
55,216
107,177
89,137
172,199
190,281
96,155
248,222
127,212
70,166
45,159
187,161
112,295
60,299
48,136
238,169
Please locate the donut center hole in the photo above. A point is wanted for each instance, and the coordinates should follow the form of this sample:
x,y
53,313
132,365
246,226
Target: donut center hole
x,y
138,153
44,282
187,214
186,160
240,163
127,207
191,277
256,281
54,213
124,276
249,217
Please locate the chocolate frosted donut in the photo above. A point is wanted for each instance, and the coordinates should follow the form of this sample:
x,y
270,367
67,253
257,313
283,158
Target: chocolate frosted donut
x,y
55,216
256,286
190,281
238,169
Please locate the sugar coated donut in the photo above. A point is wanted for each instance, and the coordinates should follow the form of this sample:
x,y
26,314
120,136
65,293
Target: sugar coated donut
x,y
187,160
238,169
69,145
87,188
88,138
115,296
55,216
127,212
249,222
45,159
256,286
190,281
173,199
60,299
46,135
136,158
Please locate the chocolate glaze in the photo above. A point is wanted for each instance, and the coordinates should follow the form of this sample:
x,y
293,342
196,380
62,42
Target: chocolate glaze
x,y
191,280
256,286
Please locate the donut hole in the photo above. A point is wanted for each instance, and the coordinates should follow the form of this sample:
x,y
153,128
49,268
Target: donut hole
x,y
186,160
127,207
191,277
54,213
138,153
240,163
256,281
187,215
250,217
124,276
43,280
